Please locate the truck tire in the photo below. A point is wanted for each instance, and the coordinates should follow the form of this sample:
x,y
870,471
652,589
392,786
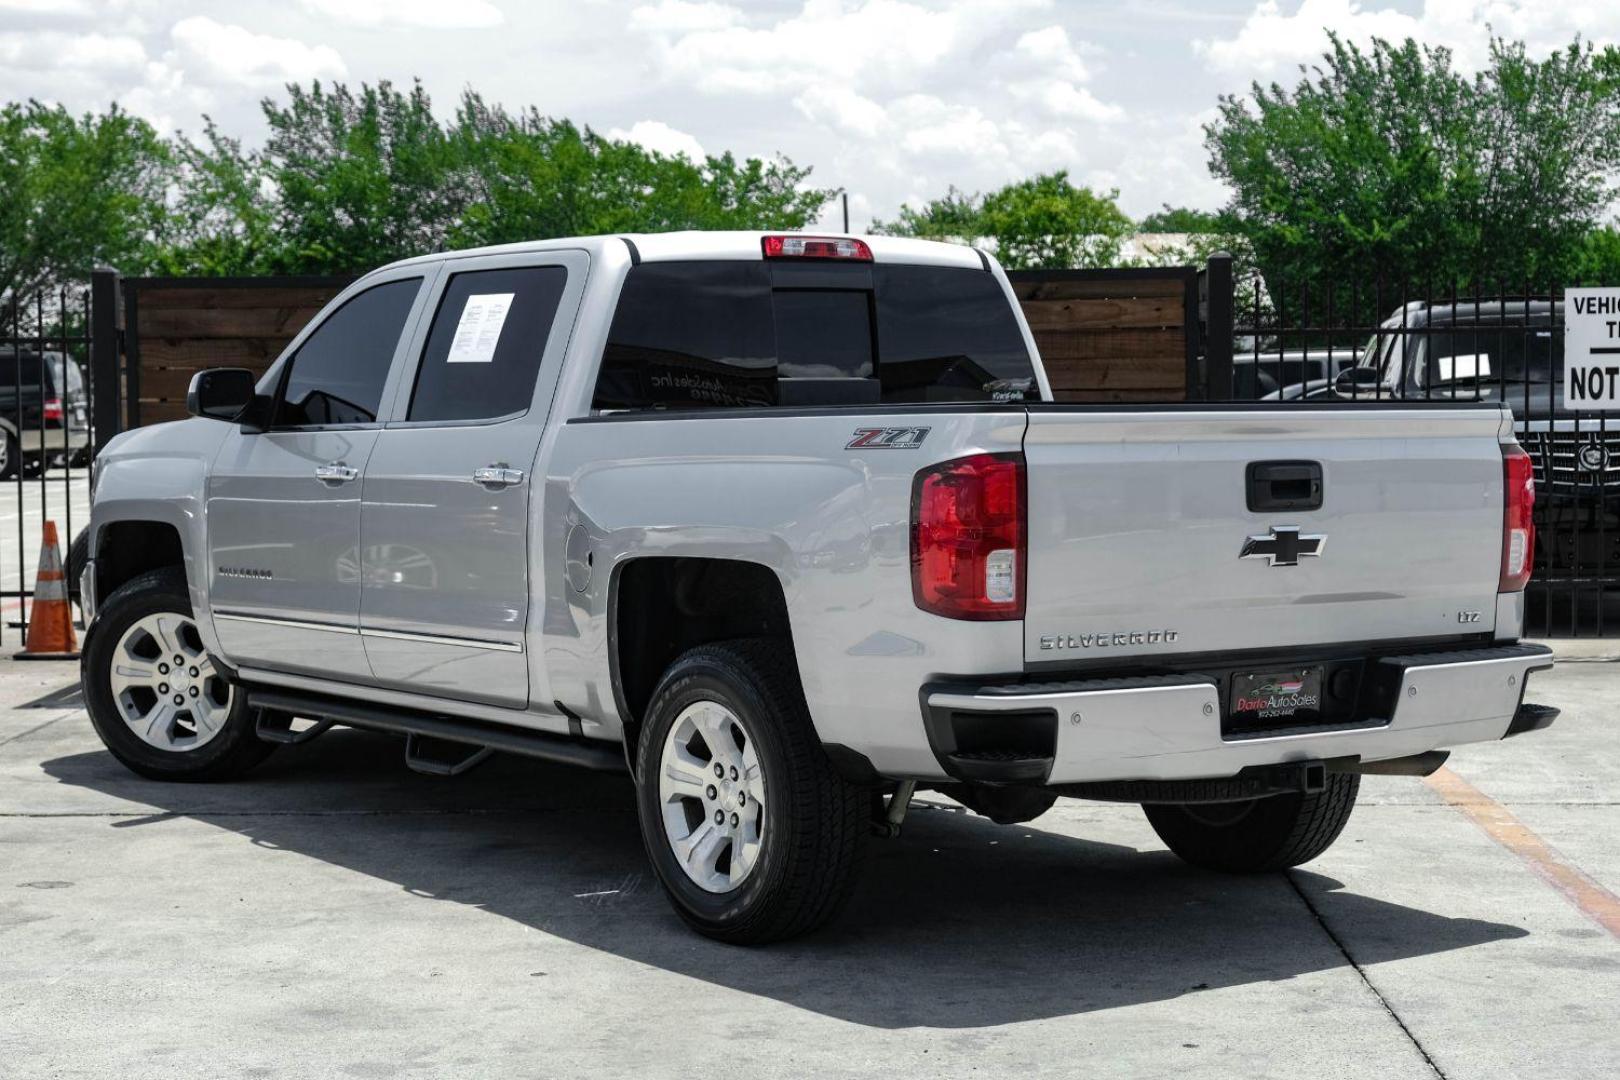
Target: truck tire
x,y
755,838
164,719
1257,835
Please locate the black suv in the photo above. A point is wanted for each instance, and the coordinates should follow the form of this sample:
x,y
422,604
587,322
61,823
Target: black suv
x,y
43,411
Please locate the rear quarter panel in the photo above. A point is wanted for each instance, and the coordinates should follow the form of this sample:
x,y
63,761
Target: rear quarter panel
x,y
780,490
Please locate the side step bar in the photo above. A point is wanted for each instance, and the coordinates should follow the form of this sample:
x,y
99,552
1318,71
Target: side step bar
x,y
422,726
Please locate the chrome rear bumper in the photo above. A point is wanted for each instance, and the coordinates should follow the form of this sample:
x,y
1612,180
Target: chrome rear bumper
x,y
1168,727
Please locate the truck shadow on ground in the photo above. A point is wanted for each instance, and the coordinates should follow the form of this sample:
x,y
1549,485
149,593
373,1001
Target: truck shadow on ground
x,y
960,923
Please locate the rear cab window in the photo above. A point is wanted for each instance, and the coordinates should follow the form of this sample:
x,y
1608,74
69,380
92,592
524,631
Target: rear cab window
x,y
758,334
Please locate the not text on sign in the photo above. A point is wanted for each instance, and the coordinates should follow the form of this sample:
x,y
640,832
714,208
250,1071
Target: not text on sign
x,y
1592,349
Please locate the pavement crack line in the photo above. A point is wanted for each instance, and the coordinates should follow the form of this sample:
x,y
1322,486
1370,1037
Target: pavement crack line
x,y
38,727
1411,1036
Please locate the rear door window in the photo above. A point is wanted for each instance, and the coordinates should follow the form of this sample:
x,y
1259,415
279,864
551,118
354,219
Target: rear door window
x,y
730,334
337,374
484,348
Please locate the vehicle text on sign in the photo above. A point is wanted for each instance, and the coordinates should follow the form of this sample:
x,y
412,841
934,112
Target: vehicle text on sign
x,y
1592,349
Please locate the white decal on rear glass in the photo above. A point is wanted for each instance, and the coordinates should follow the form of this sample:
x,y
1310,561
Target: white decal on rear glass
x,y
479,330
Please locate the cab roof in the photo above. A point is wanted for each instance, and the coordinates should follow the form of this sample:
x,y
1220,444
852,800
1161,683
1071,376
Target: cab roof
x,y
695,244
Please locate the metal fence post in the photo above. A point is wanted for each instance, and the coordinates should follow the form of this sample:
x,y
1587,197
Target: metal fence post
x,y
1218,306
106,304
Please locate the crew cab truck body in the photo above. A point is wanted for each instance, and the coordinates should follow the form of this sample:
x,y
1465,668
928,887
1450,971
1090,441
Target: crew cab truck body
x,y
786,527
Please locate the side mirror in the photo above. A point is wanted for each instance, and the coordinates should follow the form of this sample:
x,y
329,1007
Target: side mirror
x,y
221,393
1357,382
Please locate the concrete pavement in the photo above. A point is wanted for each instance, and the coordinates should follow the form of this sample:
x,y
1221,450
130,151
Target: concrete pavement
x,y
337,915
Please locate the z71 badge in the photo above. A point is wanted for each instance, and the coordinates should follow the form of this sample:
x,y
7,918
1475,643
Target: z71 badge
x,y
887,438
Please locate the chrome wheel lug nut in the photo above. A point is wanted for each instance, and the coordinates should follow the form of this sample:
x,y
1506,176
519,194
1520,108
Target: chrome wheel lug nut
x,y
192,691
742,797
734,820
178,700
719,817
734,772
193,673
713,794
179,661
163,669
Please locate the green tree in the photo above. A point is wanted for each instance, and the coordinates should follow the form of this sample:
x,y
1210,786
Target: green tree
x,y
1044,222
360,177
75,192
1391,162
1181,219
222,214
534,177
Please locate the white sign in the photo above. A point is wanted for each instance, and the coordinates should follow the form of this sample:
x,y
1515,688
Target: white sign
x,y
479,330
1592,349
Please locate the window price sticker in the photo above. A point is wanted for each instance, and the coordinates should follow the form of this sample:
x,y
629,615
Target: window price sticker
x,y
479,329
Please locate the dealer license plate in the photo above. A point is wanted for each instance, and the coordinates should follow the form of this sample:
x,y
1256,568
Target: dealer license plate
x,y
1272,699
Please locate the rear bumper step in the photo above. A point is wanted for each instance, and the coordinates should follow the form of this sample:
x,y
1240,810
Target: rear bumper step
x,y
1169,727
422,726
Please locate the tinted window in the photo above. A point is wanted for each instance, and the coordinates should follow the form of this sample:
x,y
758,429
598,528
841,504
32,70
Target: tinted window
x,y
949,335
823,333
690,335
338,372
708,334
484,349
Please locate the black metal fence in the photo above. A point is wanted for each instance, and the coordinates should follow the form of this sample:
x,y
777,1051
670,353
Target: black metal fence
x,y
48,388
1368,340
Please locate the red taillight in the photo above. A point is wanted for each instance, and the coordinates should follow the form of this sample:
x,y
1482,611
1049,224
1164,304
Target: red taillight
x,y
967,538
795,246
53,409
1518,530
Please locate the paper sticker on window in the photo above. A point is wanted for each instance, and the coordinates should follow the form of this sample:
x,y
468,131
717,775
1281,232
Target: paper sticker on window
x,y
1458,368
479,330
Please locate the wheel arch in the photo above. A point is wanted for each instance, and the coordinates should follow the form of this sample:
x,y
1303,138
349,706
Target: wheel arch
x,y
659,606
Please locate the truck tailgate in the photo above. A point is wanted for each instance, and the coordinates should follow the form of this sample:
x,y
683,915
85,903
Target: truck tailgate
x,y
1138,522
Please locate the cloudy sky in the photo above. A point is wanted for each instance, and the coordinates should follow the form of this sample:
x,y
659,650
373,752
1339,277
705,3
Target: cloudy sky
x,y
893,100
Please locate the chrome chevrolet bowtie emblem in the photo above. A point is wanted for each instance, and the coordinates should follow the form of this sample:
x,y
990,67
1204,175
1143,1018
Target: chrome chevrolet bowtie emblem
x,y
1283,547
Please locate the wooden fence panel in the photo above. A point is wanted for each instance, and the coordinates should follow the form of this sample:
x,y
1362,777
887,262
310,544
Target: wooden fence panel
x,y
1104,335
1113,335
180,326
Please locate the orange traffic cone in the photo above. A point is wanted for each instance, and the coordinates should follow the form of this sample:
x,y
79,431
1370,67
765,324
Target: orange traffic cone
x,y
50,627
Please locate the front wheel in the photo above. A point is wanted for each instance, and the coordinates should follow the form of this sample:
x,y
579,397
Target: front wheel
x,y
1257,835
154,695
752,833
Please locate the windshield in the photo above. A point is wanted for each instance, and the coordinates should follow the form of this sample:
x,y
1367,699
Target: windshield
x,y
1494,354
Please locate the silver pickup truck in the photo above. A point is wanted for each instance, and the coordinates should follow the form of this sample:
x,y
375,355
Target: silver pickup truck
x,y
787,527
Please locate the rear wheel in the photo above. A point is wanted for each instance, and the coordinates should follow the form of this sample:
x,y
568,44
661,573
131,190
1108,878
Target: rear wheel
x,y
751,832
1257,835
156,698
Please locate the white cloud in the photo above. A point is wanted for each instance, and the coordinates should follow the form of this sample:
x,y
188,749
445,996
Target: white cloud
x,y
234,54
426,14
52,50
658,136
1271,42
683,17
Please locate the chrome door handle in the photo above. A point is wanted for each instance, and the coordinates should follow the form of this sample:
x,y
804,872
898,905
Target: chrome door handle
x,y
497,476
336,473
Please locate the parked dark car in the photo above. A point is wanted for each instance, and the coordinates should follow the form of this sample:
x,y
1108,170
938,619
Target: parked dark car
x,y
43,411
